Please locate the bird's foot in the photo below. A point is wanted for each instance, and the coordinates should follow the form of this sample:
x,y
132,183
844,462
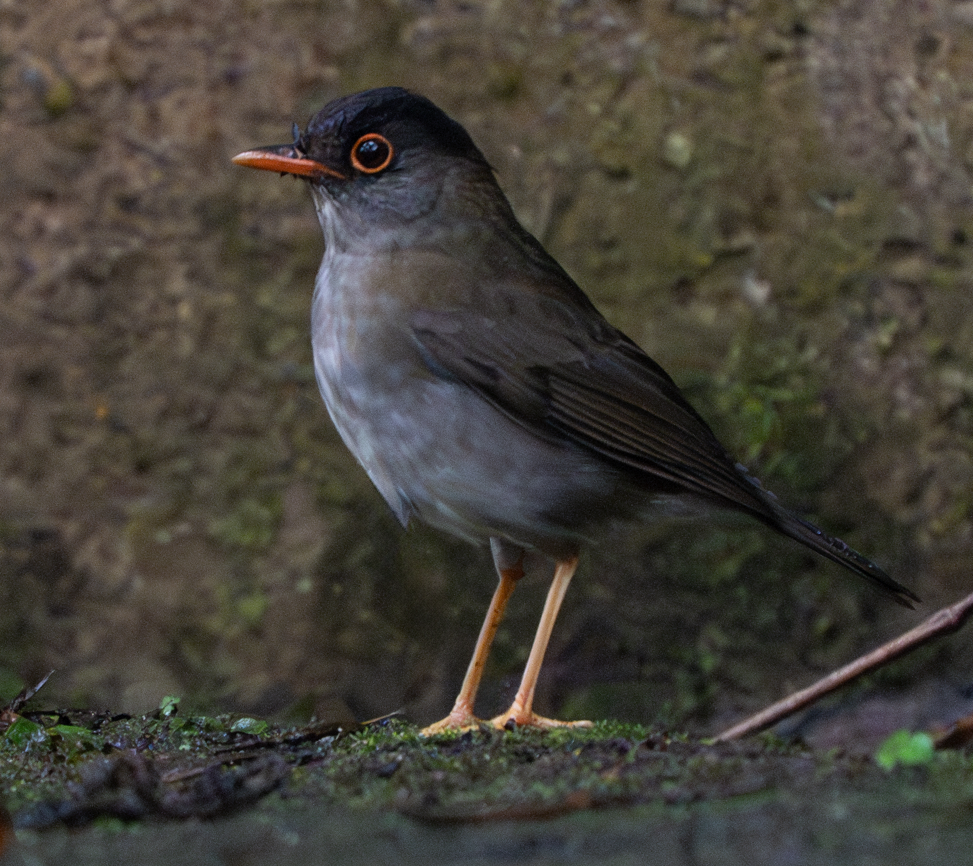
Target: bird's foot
x,y
460,719
519,717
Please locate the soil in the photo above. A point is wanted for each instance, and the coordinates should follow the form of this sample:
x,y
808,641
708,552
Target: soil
x,y
169,788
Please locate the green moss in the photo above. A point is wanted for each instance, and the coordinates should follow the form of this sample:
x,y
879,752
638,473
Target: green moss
x,y
77,769
252,525
505,79
58,97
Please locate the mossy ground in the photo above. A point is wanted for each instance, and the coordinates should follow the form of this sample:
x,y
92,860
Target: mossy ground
x,y
75,768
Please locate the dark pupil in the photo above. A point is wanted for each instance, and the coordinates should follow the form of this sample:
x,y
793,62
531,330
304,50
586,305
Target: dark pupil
x,y
372,153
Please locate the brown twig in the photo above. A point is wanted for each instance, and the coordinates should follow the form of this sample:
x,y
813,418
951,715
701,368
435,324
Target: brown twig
x,y
9,713
944,621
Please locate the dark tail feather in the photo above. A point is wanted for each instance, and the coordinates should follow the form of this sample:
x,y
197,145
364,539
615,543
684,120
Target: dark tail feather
x,y
836,550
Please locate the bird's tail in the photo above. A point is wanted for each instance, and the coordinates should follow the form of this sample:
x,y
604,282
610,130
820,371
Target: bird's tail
x,y
836,550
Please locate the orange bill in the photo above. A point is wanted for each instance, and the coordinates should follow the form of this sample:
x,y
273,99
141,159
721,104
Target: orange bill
x,y
285,159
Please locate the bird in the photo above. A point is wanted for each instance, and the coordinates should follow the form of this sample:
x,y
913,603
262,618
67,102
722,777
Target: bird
x,y
476,383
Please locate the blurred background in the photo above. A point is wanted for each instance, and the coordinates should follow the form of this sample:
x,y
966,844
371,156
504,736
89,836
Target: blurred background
x,y
773,198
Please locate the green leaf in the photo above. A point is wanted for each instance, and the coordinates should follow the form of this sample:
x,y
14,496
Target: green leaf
x,y
168,706
23,732
249,726
906,749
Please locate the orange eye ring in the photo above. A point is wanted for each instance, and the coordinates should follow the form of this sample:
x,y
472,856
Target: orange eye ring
x,y
372,153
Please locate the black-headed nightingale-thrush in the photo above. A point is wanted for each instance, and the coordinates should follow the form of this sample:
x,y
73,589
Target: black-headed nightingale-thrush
x,y
475,382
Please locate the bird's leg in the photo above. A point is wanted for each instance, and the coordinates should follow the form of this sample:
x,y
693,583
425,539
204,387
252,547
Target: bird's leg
x,y
521,710
461,716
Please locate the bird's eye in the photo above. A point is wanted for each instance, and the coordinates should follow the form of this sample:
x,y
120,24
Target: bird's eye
x,y
372,153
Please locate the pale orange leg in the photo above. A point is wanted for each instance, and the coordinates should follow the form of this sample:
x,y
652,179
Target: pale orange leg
x,y
521,710
461,716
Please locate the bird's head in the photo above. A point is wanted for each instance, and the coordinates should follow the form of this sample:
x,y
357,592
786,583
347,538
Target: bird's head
x,y
385,157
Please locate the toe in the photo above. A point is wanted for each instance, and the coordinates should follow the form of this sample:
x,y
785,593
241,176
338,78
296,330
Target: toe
x,y
454,722
517,718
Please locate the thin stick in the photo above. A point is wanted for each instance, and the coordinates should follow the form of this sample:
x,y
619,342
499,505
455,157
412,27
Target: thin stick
x,y
943,622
